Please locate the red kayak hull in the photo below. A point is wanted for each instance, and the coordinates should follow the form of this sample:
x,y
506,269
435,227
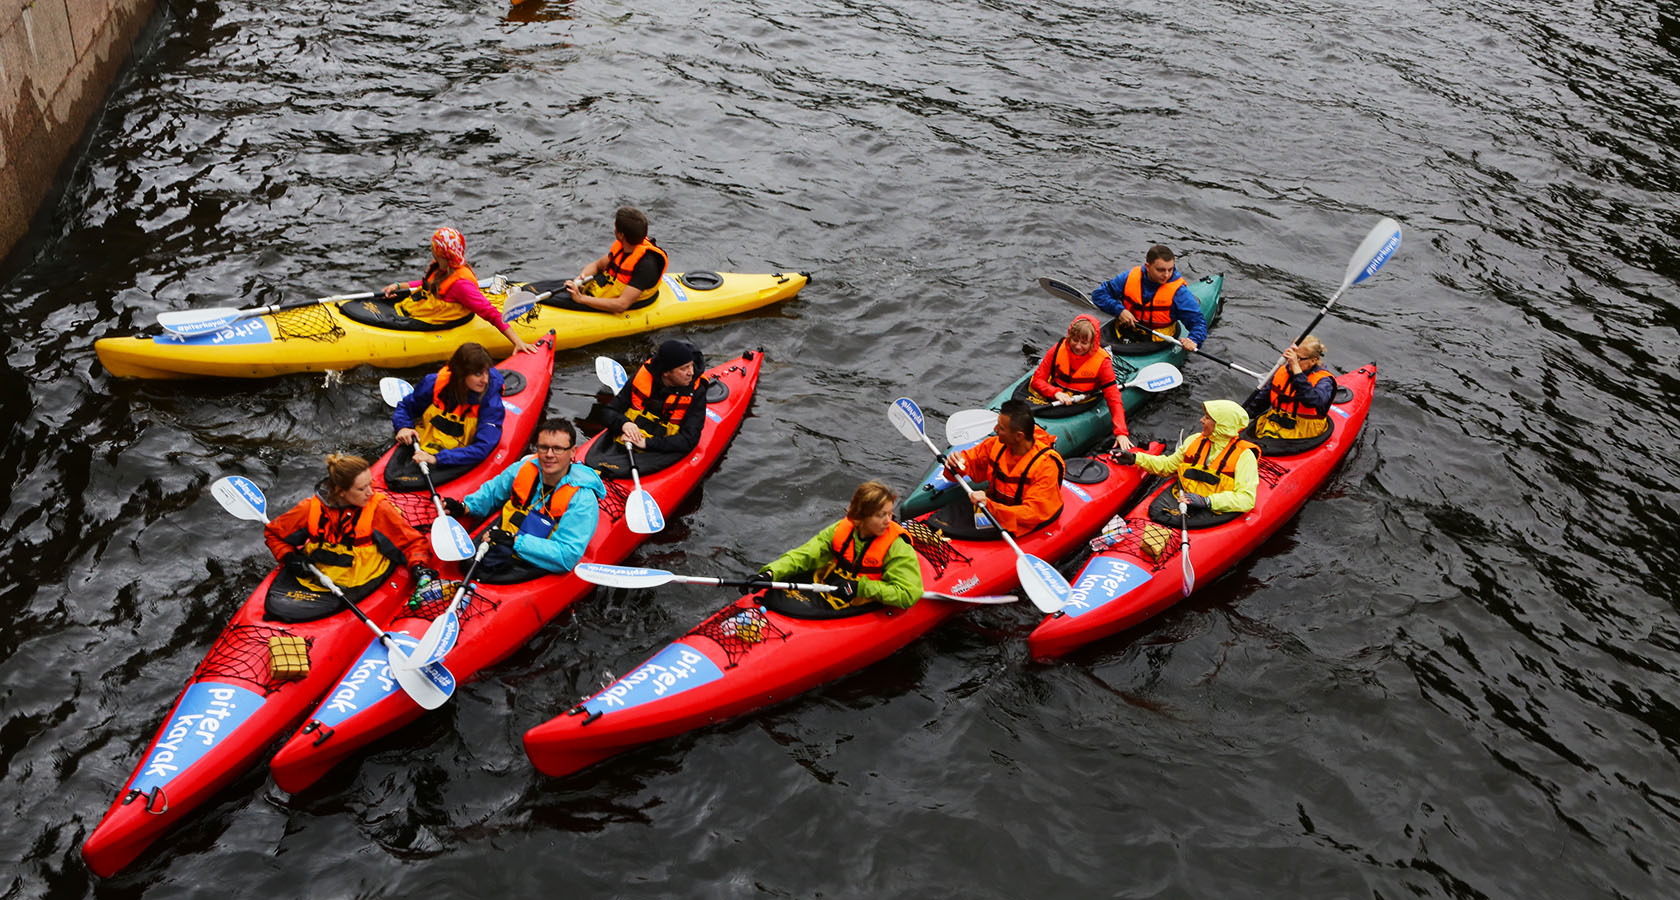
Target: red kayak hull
x,y
1122,587
232,709
745,657
366,705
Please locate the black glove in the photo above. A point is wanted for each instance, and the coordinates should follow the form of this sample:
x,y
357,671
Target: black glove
x,y
454,507
844,592
422,572
297,565
757,581
1195,501
1124,457
499,537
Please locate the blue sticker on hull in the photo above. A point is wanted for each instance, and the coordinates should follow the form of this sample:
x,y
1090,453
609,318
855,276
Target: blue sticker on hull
x,y
675,669
366,683
675,287
1104,579
207,714
248,331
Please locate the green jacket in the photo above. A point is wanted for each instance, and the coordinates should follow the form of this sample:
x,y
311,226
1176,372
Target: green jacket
x,y
900,584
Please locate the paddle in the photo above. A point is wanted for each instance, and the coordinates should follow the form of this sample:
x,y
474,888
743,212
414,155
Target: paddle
x,y
641,511
1068,292
445,630
970,426
630,577
1381,243
1045,586
195,322
449,540
430,687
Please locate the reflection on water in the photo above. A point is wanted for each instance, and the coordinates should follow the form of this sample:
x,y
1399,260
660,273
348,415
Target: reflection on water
x,y
1449,677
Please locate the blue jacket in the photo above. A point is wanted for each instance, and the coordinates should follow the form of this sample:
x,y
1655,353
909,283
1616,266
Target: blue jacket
x,y
490,413
1110,297
560,551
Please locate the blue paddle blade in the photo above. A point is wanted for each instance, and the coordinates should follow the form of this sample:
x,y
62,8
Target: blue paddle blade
x,y
440,638
246,491
642,513
906,416
610,373
1045,586
518,305
450,541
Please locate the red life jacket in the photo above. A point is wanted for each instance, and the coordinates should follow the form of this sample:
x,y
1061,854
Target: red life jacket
x,y
1090,376
1283,393
873,564
1156,312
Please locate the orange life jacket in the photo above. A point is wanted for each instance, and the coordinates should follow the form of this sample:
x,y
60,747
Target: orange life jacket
x,y
349,538
1283,393
517,512
1156,312
621,262
874,562
428,304
1009,486
673,407
1089,377
443,427
1197,476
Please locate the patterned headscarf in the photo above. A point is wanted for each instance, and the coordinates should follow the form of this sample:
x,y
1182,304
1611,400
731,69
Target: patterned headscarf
x,y
448,244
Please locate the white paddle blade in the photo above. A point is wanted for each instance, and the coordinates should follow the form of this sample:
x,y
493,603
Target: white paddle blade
x,y
1064,290
1189,570
428,686
1157,377
622,576
440,638
520,303
1045,586
1375,250
642,513
241,497
906,416
970,426
610,373
195,322
394,390
450,541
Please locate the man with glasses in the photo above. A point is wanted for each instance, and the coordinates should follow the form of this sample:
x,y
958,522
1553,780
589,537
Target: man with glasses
x,y
547,507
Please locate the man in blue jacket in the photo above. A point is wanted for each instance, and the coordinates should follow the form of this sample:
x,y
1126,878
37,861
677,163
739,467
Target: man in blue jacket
x,y
547,507
1153,296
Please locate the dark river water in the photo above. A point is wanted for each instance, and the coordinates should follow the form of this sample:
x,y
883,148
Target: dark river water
x,y
1451,676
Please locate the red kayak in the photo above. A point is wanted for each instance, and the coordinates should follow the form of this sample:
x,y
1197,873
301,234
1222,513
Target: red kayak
x,y
499,619
1123,585
234,707
745,656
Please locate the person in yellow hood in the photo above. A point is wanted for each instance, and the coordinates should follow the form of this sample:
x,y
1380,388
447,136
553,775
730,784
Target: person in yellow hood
x,y
1218,471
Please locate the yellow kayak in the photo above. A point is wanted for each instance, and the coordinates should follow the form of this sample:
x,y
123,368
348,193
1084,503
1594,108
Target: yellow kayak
x,y
316,337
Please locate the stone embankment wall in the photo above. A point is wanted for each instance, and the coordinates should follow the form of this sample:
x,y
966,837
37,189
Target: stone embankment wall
x,y
57,61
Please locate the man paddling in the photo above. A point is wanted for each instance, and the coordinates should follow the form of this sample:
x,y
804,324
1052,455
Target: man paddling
x,y
1023,472
628,275
548,508
1153,296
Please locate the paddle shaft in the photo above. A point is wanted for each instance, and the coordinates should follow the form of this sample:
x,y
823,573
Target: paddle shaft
x,y
1305,333
1010,540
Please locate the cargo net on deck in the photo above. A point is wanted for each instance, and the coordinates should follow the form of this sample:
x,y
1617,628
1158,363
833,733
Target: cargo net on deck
x,y
1271,472
933,546
433,603
736,629
613,503
242,653
1144,539
310,323
417,508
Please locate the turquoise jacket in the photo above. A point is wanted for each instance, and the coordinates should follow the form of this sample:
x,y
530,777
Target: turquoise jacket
x,y
560,551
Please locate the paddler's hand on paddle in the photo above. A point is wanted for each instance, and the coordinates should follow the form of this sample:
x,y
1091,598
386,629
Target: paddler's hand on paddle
x,y
1188,344
978,497
406,435
391,289
1194,502
421,456
634,436
757,581
954,466
1063,396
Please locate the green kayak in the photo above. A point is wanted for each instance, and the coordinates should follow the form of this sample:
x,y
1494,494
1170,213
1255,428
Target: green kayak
x,y
1077,433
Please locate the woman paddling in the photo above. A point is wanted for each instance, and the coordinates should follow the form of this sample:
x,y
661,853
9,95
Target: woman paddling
x,y
353,535
1292,413
452,421
1073,373
866,555
449,290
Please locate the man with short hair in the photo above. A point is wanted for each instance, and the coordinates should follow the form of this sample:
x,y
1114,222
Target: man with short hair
x,y
1022,469
547,507
661,411
628,275
1153,296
